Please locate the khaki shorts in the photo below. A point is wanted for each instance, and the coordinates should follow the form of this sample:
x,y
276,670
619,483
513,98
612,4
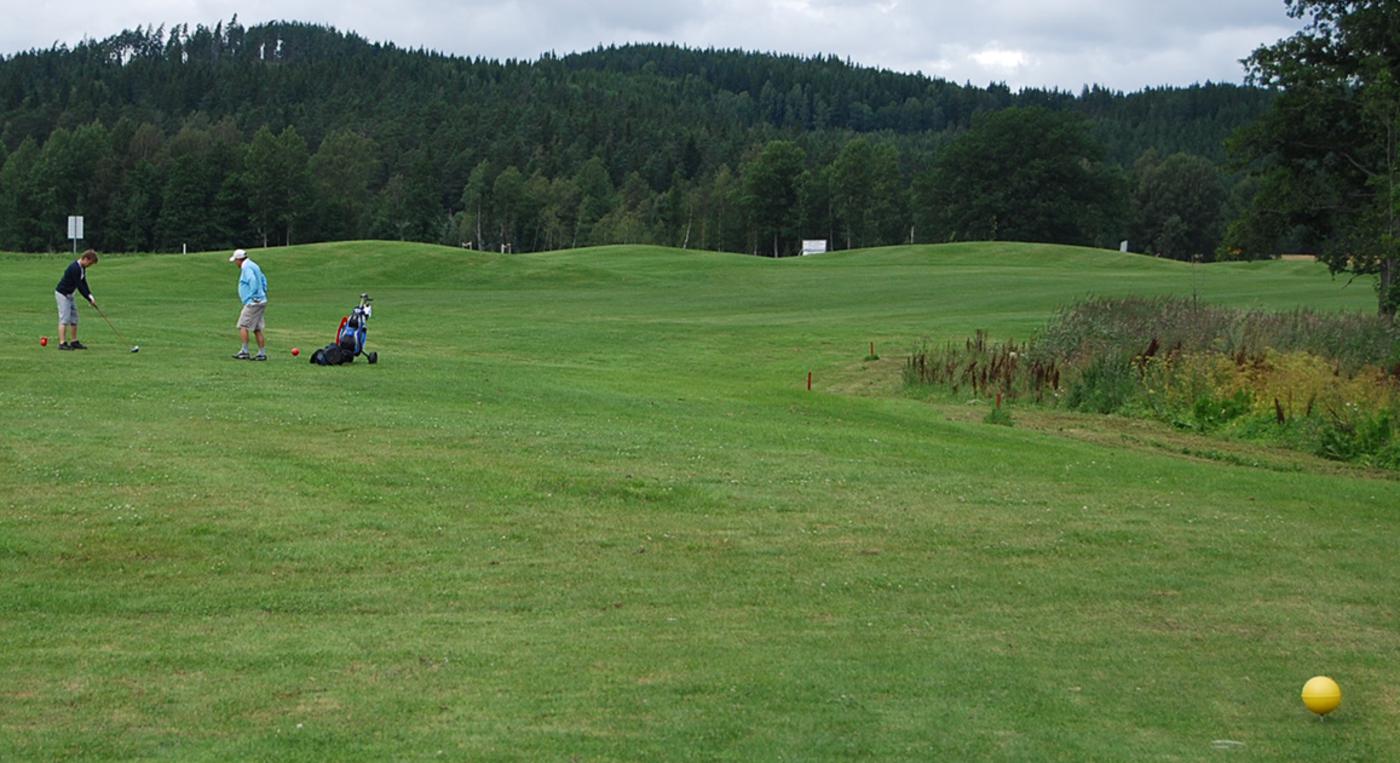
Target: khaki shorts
x,y
252,316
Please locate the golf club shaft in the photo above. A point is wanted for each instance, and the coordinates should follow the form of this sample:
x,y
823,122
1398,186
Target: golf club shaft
x,y
110,325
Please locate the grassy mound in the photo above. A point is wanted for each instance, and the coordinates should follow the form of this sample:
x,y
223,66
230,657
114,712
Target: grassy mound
x,y
585,507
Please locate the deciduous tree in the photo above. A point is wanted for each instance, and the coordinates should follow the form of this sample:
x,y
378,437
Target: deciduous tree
x,y
1022,174
1328,153
1177,205
770,192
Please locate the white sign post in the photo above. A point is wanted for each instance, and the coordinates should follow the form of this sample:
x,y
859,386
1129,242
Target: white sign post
x,y
75,230
813,246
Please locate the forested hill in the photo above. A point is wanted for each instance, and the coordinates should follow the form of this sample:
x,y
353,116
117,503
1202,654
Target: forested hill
x,y
163,137
821,93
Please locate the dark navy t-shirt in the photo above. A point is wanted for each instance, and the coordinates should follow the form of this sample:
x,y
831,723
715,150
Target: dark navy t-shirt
x,y
75,277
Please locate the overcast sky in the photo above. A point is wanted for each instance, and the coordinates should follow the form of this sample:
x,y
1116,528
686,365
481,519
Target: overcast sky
x,y
1128,44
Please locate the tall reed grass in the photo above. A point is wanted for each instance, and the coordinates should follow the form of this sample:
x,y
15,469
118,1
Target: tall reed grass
x,y
1324,382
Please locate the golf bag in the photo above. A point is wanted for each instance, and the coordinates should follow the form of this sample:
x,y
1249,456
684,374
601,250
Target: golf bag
x,y
332,355
349,338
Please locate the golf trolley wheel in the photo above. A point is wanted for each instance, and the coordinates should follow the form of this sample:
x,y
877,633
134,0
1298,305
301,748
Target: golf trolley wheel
x,y
373,358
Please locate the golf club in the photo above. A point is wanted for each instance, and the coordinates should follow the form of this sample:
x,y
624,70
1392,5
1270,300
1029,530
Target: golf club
x,y
134,347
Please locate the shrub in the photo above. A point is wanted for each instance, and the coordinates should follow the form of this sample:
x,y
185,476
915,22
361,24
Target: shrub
x,y
984,368
1095,326
1104,386
1326,383
1212,412
1352,433
999,416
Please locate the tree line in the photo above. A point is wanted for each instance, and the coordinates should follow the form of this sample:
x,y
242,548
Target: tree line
x,y
288,133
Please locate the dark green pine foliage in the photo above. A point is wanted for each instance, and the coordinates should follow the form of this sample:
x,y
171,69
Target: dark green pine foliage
x,y
22,193
313,134
131,227
342,175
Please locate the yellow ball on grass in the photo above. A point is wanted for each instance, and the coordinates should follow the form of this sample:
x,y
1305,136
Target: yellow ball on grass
x,y
1322,695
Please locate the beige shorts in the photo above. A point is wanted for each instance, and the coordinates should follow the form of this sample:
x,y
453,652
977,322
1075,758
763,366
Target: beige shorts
x,y
252,316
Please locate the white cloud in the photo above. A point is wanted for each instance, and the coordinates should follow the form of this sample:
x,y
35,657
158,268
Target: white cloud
x,y
1001,59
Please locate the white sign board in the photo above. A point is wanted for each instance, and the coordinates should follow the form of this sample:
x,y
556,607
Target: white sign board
x,y
813,246
1123,247
75,227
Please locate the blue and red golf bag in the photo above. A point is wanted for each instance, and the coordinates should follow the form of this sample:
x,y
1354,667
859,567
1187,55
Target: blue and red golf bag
x,y
349,338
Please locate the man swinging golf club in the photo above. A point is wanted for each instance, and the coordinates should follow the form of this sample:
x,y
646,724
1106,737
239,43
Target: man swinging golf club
x,y
74,279
252,290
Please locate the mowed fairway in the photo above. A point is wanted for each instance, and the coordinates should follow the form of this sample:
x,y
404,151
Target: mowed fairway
x,y
585,509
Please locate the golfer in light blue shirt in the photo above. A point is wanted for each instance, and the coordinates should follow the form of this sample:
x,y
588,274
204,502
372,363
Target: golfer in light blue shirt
x,y
252,290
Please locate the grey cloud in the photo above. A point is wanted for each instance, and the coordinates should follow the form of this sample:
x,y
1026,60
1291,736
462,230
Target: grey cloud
x,y
1068,43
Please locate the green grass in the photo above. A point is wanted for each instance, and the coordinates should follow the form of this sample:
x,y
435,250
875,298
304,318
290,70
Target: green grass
x,y
586,509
